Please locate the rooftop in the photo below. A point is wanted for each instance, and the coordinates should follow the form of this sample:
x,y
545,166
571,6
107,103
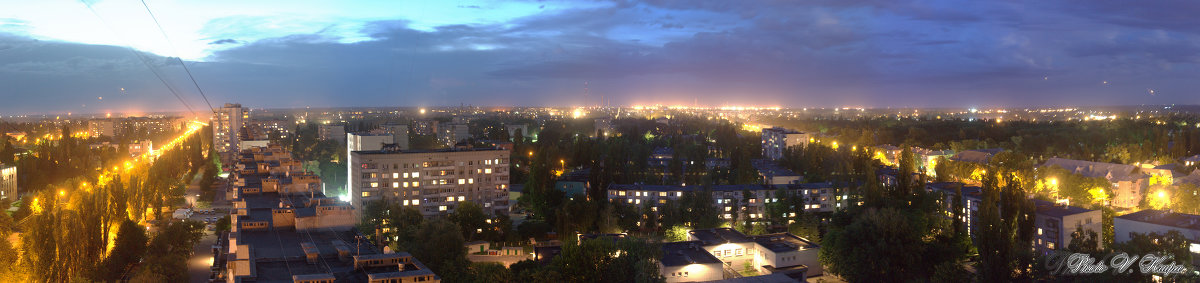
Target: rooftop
x,y
685,253
1110,171
783,242
1057,210
718,236
1165,218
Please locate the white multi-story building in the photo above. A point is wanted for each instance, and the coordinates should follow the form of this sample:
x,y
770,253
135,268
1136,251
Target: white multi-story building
x,y
819,197
8,182
227,124
774,140
102,128
434,181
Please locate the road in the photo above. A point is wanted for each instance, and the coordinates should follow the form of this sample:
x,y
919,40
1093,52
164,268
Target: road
x,y
200,264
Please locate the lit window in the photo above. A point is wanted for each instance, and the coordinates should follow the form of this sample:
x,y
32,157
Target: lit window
x,y
405,175
441,208
395,175
405,202
462,181
470,180
461,198
416,184
374,184
366,194
662,194
405,184
416,202
449,198
396,184
487,171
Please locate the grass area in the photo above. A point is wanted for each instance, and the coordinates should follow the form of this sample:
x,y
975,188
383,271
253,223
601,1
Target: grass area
x,y
748,272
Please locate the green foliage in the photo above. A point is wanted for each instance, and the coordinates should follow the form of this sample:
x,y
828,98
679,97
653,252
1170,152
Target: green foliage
x,y
470,218
439,245
130,246
676,234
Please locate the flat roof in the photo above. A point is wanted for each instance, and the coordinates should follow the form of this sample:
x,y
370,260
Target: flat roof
x,y
783,242
1056,210
439,150
1165,218
718,236
685,253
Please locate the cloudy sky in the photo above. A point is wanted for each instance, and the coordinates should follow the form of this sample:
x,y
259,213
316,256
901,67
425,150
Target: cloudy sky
x,y
60,56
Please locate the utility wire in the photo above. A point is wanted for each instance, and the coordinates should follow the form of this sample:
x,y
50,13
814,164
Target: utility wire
x,y
181,63
141,57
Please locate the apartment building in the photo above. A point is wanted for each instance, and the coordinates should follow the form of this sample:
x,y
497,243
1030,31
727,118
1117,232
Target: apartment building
x,y
332,132
1161,222
820,197
1056,222
399,134
768,254
434,181
776,139
8,182
284,229
451,134
1128,182
227,124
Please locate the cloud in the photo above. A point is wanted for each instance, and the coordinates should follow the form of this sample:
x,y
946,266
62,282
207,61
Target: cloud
x,y
225,41
825,53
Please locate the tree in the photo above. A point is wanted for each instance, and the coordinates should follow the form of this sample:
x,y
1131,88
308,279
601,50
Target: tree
x,y
879,245
470,218
128,250
439,245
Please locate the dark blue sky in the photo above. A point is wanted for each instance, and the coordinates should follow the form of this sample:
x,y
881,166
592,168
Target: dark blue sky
x,y
56,56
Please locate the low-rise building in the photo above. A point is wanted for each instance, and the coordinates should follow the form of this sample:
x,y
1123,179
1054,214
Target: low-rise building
x,y
767,254
1056,223
773,174
1160,222
979,156
1128,183
688,262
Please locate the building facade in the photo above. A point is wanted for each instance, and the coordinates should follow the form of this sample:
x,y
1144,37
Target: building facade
x,y
1056,223
434,181
227,124
450,134
775,140
332,132
1160,222
819,197
399,134
8,182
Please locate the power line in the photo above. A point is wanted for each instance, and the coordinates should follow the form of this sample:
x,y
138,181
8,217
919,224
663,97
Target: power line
x,y
141,57
181,63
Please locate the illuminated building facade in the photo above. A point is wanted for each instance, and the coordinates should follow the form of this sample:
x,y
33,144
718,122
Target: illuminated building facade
x,y
227,124
774,140
433,181
8,182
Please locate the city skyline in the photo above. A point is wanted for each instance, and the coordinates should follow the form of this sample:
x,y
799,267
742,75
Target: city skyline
x,y
573,53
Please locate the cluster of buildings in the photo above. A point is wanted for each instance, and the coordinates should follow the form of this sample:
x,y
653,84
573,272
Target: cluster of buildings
x,y
283,228
111,127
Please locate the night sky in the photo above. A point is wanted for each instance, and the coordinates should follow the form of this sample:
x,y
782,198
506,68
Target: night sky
x,y
57,56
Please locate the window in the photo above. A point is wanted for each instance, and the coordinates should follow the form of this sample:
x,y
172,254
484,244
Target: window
x,y
366,194
449,198
396,185
487,171
441,208
405,202
416,184
621,193
461,198
395,175
416,202
405,184
462,181
374,184
416,174
662,194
